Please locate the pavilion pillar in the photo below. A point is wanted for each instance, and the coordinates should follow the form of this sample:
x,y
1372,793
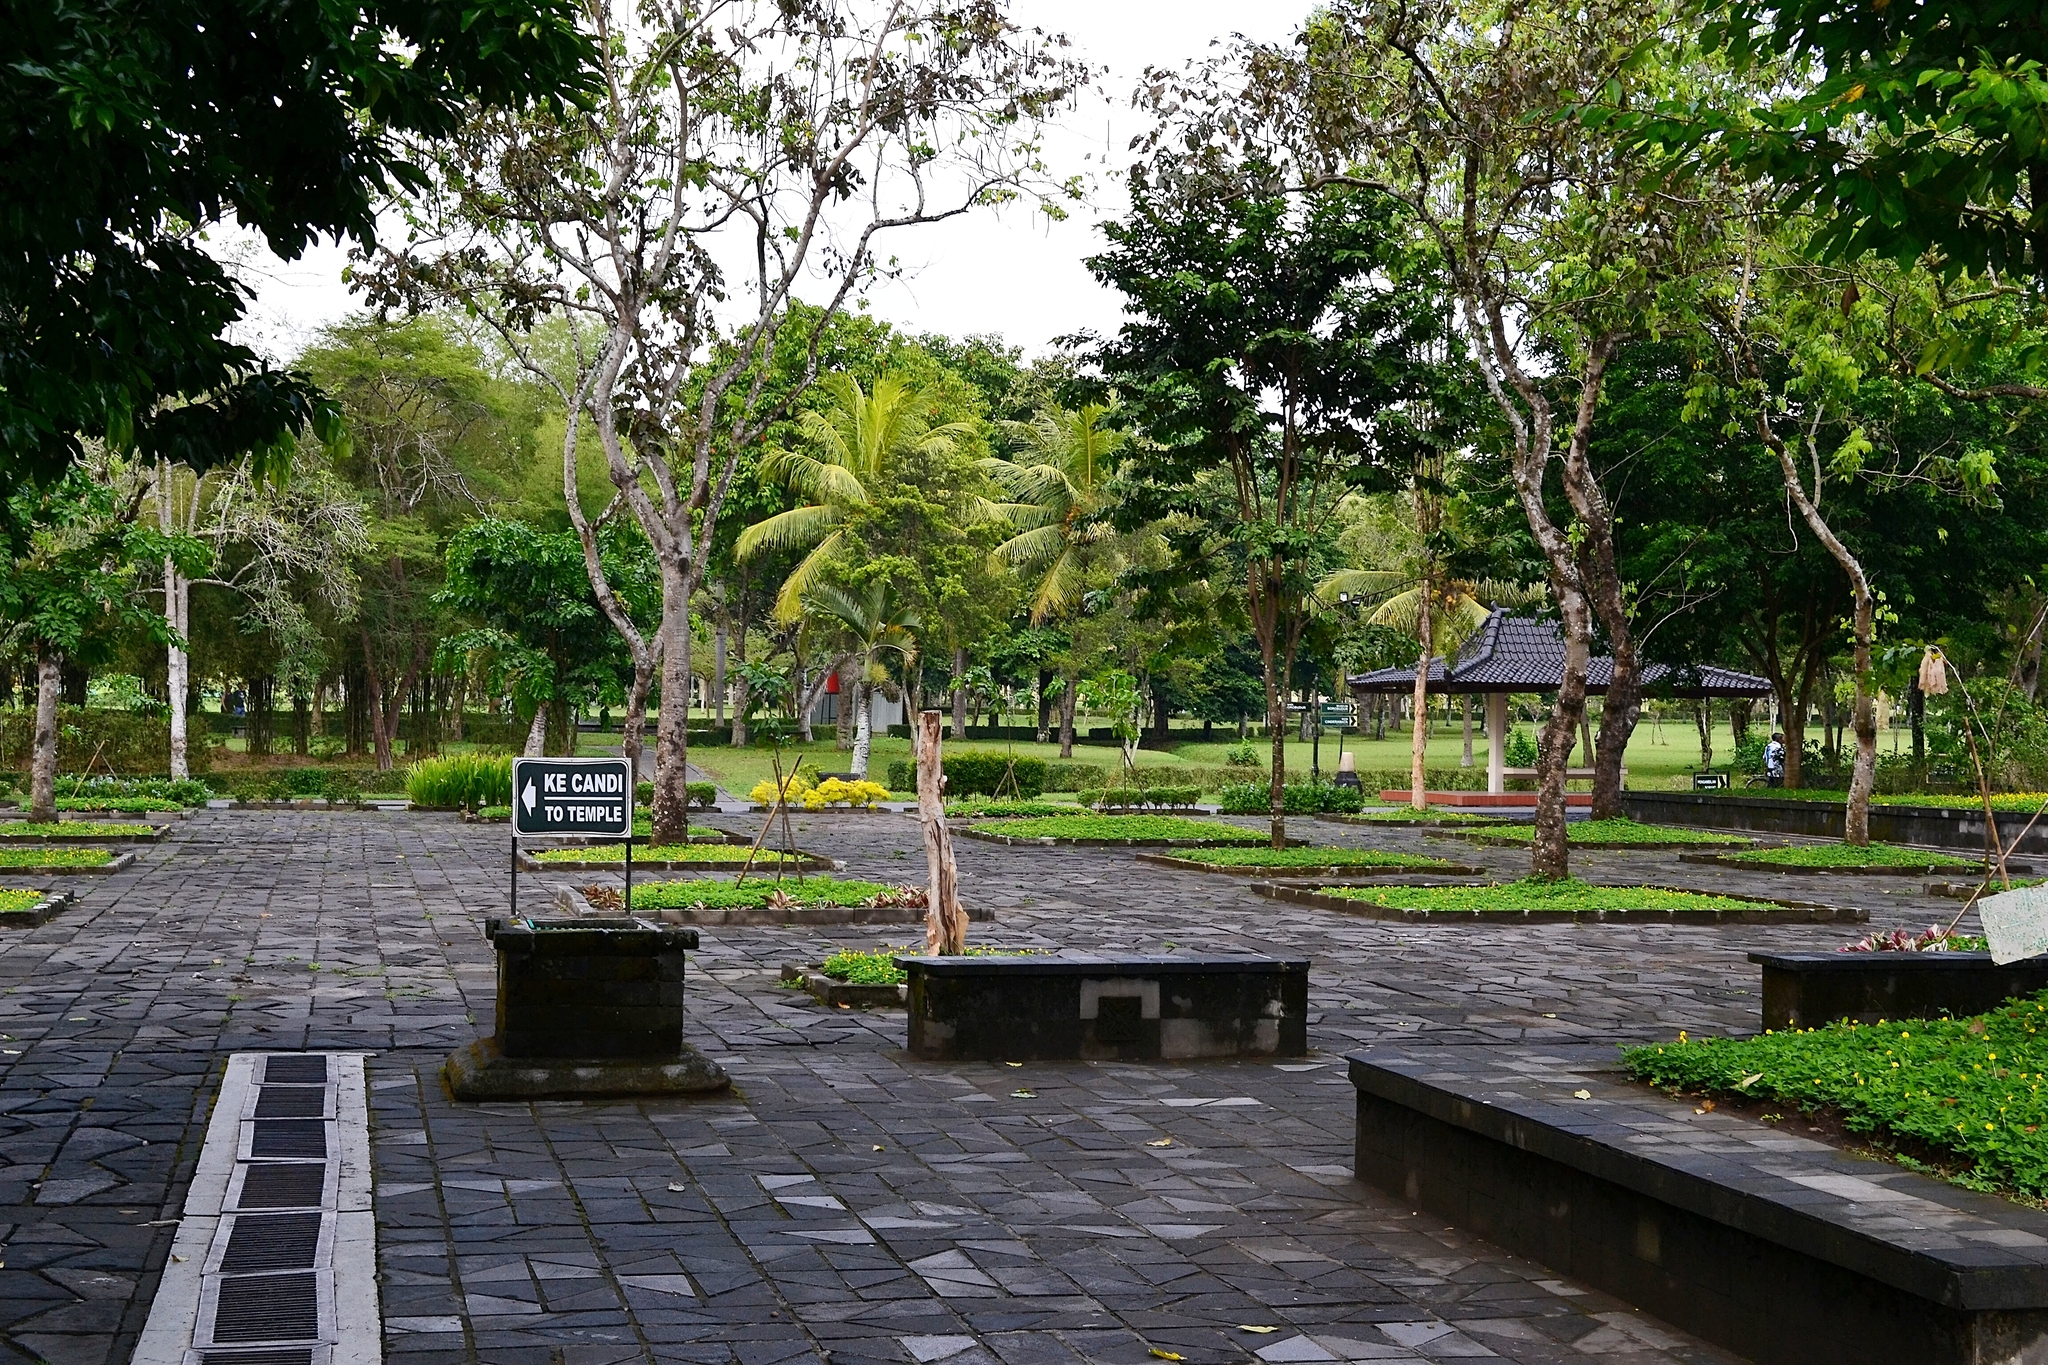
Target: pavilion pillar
x,y
1496,742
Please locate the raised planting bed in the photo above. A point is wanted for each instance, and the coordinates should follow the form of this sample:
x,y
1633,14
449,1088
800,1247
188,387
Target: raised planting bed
x,y
59,859
1021,1009
1557,902
27,909
1779,1248
988,808
851,979
1809,990
120,805
1304,862
1432,818
1612,834
718,857
586,1008
1954,822
78,832
1118,831
1878,860
1963,891
765,900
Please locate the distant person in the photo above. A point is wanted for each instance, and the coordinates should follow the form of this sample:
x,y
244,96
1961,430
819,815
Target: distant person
x,y
1774,761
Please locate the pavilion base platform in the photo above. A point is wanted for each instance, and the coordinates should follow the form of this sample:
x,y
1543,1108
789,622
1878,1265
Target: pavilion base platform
x,y
1775,1246
1487,800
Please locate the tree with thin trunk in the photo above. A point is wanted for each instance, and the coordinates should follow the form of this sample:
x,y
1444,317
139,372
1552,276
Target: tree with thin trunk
x,y
734,149
872,623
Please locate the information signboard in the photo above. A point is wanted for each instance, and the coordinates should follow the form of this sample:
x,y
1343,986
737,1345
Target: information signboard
x,y
572,796
1337,715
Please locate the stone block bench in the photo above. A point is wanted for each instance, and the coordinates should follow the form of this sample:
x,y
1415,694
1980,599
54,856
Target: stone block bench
x,y
1773,1245
1806,990
1020,1009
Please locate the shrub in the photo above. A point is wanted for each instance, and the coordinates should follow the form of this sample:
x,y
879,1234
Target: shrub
x,y
1131,798
121,740
1243,754
187,792
1063,776
702,795
1298,798
767,791
1520,749
862,793
460,782
978,773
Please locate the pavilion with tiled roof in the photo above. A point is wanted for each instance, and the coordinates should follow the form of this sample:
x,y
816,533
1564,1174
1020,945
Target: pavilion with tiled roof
x,y
1526,654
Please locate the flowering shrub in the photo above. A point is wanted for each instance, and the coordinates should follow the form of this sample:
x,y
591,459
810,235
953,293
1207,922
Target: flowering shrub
x,y
765,793
832,790
1936,940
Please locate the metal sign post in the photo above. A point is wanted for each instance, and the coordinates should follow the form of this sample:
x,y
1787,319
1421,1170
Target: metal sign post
x,y
566,796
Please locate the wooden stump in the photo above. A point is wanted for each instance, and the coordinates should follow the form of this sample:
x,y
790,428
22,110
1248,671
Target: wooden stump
x,y
945,923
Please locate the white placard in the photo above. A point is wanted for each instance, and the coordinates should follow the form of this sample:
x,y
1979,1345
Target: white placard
x,y
2016,922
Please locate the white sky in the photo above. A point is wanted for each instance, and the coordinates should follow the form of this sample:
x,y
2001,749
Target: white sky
x,y
1013,274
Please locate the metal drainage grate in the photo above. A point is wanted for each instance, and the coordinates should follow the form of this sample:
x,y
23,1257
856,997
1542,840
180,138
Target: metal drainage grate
x,y
275,1101
294,1356
268,1308
295,1185
288,1138
272,1241
295,1070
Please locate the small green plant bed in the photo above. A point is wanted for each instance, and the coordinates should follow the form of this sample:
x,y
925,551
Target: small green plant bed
x,y
976,808
1963,1094
711,854
2026,803
1620,834
15,902
878,968
121,805
787,894
1570,895
54,855
1849,856
1408,815
1937,939
1277,859
1168,829
41,830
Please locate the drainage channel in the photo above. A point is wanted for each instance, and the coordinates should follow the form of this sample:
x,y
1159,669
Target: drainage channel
x,y
275,1258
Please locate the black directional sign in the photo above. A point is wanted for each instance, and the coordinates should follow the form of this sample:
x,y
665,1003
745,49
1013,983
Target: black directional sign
x,y
572,796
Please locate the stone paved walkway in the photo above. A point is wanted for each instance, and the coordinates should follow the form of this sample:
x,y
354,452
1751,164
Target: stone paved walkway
x,y
844,1203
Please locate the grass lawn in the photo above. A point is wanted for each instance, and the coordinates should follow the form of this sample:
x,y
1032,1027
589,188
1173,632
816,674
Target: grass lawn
x,y
1516,897
1309,857
11,899
1848,855
1123,827
48,855
719,854
717,894
1965,1091
1620,832
66,829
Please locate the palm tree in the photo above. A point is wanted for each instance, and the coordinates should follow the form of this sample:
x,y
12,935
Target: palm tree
x,y
1458,607
1060,484
876,621
856,439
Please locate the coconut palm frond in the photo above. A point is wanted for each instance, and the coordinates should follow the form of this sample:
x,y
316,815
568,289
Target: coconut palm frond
x,y
1357,583
1034,546
818,480
789,602
1059,590
785,530
1023,516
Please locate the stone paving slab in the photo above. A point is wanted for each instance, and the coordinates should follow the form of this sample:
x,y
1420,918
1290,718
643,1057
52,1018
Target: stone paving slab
x,y
844,1198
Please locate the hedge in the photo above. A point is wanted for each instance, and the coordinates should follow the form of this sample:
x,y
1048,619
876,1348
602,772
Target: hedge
x,y
1297,798
972,773
1064,776
125,741
1137,798
703,795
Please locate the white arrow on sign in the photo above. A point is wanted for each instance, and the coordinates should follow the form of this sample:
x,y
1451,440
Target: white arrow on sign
x,y
527,797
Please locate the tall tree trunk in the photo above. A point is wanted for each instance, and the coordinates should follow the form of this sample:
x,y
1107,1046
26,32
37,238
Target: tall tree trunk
x,y
945,922
2026,659
380,738
1703,717
1073,685
959,693
178,666
718,671
1044,731
1276,727
1418,735
671,812
42,783
863,726
1466,761
537,733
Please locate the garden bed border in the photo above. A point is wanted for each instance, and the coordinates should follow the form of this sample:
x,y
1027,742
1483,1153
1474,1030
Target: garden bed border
x,y
42,912
1279,870
1802,912
834,994
120,862
1050,841
1889,870
809,862
1597,846
150,835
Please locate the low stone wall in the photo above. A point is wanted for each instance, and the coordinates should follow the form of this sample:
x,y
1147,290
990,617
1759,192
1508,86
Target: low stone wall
x,y
1959,826
1785,1251
1806,990
1021,1009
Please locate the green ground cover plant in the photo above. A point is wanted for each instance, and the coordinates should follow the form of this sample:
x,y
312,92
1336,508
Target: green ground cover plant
x,y
878,968
57,855
1938,939
460,782
985,808
1533,894
1402,815
718,894
1848,855
65,829
1297,798
126,805
1622,832
666,853
2026,803
11,899
1966,1089
1310,857
1123,827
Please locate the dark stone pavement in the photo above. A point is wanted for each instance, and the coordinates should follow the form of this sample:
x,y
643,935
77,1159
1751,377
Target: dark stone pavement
x,y
845,1202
